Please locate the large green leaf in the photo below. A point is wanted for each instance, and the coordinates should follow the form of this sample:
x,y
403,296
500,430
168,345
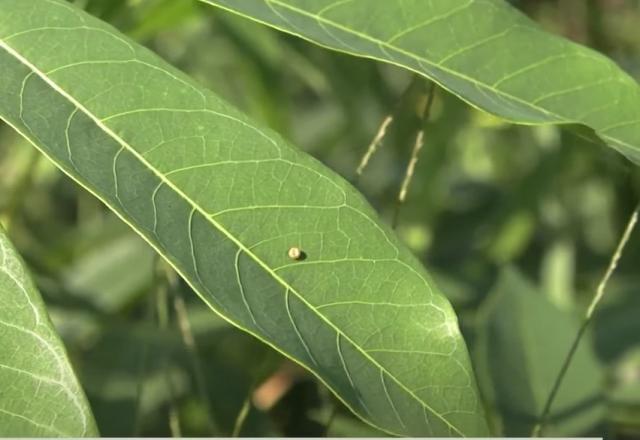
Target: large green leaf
x,y
223,201
39,394
484,51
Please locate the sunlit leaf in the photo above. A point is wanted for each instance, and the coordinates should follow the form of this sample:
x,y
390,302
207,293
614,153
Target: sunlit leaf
x,y
224,200
484,51
40,395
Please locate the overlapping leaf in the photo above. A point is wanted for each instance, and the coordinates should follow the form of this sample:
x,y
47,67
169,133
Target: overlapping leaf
x,y
223,200
484,51
39,393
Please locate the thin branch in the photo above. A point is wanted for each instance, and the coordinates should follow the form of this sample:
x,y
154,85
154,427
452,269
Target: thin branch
x,y
373,146
613,264
415,154
242,415
174,422
384,125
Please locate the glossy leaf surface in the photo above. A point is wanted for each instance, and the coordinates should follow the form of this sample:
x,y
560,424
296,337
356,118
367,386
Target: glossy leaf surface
x,y
224,200
40,395
484,51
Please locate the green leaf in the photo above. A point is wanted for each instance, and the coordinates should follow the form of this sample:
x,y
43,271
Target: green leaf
x,y
39,393
616,325
223,201
111,274
522,341
484,51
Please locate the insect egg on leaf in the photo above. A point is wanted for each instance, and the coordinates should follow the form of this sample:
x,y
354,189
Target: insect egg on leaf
x,y
295,253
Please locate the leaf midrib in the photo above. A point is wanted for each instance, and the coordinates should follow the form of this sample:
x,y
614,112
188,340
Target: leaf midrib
x,y
213,222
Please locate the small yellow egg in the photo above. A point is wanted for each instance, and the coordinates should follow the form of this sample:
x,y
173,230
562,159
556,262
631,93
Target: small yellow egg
x,y
295,253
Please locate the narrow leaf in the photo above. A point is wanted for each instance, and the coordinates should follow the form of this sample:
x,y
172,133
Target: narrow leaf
x,y
484,51
224,201
39,393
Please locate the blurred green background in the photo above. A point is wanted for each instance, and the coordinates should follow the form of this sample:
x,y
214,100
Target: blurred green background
x,y
517,225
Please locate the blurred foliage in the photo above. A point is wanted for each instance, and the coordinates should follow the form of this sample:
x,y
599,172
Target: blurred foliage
x,y
487,195
522,340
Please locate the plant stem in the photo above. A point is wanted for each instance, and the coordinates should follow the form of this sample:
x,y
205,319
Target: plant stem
x,y
613,264
384,125
373,146
415,153
242,415
174,422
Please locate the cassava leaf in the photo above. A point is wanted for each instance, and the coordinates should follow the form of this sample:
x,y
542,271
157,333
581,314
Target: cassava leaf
x,y
40,395
224,200
484,51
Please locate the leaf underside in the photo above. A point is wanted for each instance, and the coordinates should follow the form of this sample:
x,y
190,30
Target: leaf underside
x,y
484,51
40,395
223,201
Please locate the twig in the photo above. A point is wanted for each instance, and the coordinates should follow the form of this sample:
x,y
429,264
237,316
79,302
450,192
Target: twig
x,y
382,129
613,264
373,146
242,415
174,421
415,153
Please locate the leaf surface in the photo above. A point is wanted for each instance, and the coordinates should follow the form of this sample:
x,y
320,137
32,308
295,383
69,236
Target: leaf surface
x,y
522,341
224,200
39,393
484,51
